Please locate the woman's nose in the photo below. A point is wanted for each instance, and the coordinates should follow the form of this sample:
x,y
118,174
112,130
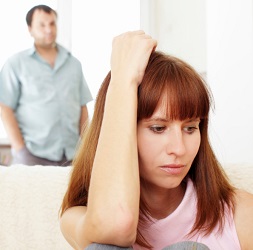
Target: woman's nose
x,y
175,142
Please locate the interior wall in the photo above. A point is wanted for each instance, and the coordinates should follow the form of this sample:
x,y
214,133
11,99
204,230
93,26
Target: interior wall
x,y
64,23
179,27
94,24
230,75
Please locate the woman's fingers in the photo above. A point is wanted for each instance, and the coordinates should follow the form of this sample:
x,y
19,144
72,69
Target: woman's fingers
x,y
130,55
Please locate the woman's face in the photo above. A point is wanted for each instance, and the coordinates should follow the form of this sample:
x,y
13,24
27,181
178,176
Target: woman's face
x,y
166,148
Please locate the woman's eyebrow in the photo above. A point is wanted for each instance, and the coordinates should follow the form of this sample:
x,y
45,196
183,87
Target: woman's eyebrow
x,y
157,119
193,120
164,119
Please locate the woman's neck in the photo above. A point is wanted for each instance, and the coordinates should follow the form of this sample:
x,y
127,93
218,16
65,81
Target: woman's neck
x,y
162,202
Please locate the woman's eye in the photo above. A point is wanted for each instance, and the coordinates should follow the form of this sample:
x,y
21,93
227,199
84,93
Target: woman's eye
x,y
157,129
191,129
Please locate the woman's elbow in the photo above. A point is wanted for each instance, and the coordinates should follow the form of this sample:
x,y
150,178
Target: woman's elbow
x,y
126,230
119,229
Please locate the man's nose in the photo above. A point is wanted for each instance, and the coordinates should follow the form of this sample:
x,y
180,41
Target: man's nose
x,y
48,29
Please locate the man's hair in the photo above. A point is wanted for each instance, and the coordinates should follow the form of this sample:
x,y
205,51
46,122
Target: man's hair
x,y
45,8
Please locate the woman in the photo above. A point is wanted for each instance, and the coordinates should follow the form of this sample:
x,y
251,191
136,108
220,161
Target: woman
x,y
145,175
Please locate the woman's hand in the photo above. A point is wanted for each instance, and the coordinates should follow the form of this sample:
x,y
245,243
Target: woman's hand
x,y
130,55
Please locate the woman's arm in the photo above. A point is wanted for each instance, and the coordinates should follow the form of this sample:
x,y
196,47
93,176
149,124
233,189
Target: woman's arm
x,y
112,213
113,201
244,219
71,224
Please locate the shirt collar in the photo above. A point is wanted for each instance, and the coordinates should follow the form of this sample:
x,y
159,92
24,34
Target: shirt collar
x,y
32,50
61,58
61,50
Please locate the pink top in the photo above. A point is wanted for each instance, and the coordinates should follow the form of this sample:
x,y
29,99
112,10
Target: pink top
x,y
177,225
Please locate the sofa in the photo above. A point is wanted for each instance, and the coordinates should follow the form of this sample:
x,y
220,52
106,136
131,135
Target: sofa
x,y
31,198
29,211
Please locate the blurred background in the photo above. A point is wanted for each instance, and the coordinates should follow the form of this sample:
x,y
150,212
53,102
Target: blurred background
x,y
215,37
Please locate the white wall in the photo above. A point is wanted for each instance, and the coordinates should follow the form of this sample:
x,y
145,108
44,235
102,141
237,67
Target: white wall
x,y
179,27
94,24
230,74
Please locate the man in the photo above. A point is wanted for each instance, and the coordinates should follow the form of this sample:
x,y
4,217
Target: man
x,y
43,96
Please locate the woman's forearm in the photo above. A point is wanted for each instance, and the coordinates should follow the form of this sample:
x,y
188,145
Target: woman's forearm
x,y
114,183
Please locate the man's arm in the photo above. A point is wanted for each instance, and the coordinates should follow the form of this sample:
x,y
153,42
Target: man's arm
x,y
11,127
83,118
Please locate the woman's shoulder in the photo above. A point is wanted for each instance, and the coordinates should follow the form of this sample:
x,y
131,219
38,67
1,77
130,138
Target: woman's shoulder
x,y
244,218
243,200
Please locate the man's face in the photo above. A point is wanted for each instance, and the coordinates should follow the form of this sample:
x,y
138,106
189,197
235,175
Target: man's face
x,y
43,28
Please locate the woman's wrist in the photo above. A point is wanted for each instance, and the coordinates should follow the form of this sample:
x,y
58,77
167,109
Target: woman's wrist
x,y
123,86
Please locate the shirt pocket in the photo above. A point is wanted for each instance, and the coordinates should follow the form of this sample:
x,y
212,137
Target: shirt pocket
x,y
34,87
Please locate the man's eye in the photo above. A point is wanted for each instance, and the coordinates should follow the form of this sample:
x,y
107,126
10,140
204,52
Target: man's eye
x,y
157,129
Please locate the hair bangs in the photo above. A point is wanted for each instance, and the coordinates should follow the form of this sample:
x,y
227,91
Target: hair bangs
x,y
174,85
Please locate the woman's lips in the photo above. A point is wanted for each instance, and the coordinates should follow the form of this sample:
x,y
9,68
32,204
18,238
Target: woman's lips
x,y
173,169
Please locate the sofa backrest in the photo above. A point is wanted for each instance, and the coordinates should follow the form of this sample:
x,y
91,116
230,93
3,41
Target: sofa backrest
x,y
31,198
